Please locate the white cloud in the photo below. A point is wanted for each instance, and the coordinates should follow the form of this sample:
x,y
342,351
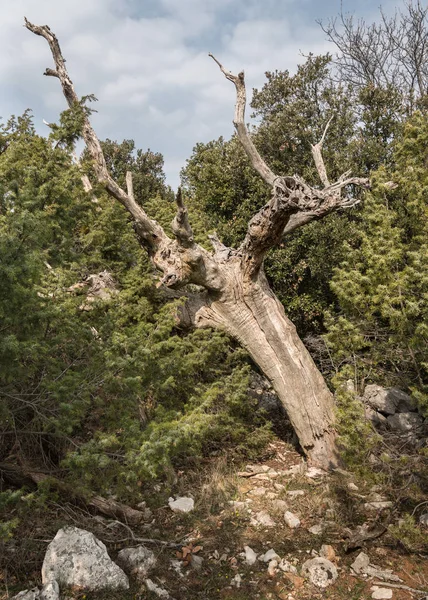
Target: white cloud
x,y
147,62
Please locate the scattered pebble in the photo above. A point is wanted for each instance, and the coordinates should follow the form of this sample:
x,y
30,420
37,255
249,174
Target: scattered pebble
x,y
315,472
328,552
287,567
377,505
291,519
320,571
269,555
272,568
295,493
181,504
381,593
250,556
423,520
258,491
280,505
316,529
263,518
353,487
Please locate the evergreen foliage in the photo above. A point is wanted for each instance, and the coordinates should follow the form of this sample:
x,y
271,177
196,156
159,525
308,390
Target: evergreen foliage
x,y
112,392
381,285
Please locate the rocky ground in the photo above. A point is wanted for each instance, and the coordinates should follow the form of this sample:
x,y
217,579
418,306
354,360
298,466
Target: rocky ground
x,y
273,529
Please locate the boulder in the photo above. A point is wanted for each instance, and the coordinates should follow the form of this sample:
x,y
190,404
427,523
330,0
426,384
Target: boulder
x,y
387,400
375,417
76,558
405,421
137,562
320,571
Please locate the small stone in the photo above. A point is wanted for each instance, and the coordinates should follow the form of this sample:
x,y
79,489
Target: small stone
x,y
315,472
280,505
320,571
328,552
287,567
250,556
316,529
33,594
272,568
353,487
295,493
372,506
257,469
291,520
263,518
279,486
381,593
196,562
261,477
271,495
152,587
269,555
361,563
236,581
50,591
423,520
136,561
258,491
405,421
181,504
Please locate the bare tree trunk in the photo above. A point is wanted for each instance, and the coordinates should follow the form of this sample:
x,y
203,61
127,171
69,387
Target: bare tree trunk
x,y
252,314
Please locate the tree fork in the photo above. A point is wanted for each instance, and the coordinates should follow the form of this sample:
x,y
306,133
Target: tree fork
x,y
237,297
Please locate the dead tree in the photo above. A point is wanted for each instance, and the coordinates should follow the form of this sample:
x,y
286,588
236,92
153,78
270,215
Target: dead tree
x,y
235,295
390,53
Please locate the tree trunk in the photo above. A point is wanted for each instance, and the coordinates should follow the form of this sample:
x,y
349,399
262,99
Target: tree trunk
x,y
252,314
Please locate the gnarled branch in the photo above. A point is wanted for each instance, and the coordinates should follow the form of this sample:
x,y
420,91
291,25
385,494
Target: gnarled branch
x,y
148,230
180,225
241,129
294,203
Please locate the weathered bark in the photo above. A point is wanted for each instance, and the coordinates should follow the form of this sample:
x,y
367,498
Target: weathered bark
x,y
250,312
20,477
237,297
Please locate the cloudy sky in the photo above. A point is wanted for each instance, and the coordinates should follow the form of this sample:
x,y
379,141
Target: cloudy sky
x,y
146,61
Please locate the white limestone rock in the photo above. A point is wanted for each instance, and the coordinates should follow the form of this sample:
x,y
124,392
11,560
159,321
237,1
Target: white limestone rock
x,y
387,400
50,591
269,555
181,504
158,591
320,571
137,562
250,556
33,594
405,421
381,593
291,519
76,558
361,563
263,518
